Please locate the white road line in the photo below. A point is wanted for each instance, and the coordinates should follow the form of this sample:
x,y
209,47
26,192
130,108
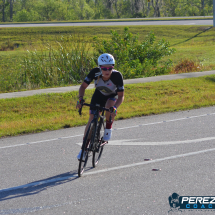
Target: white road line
x,y
41,141
105,170
135,142
147,124
172,120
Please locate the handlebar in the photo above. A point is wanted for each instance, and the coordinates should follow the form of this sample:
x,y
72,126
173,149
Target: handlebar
x,y
90,105
99,107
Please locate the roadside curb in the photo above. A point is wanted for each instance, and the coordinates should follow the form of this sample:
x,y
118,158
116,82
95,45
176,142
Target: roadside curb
x,y
91,86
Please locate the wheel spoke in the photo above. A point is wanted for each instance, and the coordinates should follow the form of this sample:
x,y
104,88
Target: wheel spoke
x,y
83,163
98,141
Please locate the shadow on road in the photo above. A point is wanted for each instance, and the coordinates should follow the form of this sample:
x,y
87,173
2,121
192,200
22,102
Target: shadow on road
x,y
38,186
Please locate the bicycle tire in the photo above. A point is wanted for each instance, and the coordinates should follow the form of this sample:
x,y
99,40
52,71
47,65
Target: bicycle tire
x,y
98,149
82,164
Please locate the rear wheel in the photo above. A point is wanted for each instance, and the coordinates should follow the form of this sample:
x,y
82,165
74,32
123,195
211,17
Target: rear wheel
x,y
97,152
85,150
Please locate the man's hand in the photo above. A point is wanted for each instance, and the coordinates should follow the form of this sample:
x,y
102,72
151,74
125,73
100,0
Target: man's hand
x,y
113,111
79,103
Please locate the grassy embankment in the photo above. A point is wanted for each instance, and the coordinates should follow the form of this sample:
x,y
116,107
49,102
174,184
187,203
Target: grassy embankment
x,y
54,111
192,43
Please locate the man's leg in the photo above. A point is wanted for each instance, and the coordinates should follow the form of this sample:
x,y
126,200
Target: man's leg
x,y
108,130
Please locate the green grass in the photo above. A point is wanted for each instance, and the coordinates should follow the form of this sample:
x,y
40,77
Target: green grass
x,y
195,43
28,37
55,111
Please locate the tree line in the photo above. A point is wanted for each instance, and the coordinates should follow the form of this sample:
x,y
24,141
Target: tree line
x,y
65,10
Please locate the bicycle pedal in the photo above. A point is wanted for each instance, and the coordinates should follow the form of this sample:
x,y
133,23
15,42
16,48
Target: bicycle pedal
x,y
104,143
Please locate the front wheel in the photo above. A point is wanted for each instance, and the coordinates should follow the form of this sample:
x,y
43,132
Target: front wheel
x,y
97,152
82,163
85,149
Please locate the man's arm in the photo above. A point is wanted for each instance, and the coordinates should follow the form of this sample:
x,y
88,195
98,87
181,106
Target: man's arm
x,y
82,89
81,93
120,99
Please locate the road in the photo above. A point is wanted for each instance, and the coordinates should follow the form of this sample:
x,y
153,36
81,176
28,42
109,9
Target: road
x,y
122,23
39,171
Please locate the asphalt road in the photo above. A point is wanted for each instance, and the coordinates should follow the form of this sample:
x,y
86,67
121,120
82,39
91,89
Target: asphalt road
x,y
122,23
39,171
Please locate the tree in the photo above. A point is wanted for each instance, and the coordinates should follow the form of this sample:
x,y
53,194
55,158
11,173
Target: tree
x,y
99,7
122,8
137,6
156,4
47,10
3,11
148,9
169,7
11,9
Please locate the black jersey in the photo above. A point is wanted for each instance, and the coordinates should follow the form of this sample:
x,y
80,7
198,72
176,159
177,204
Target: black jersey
x,y
111,86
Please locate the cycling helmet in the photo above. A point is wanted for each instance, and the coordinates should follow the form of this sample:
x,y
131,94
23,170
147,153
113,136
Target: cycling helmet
x,y
106,59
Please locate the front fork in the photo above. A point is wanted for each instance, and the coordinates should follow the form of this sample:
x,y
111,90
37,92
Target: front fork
x,y
98,141
91,140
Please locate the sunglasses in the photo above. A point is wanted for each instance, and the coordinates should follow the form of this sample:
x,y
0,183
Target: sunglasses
x,y
107,68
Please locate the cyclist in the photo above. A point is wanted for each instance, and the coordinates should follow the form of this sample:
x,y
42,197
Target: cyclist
x,y
109,91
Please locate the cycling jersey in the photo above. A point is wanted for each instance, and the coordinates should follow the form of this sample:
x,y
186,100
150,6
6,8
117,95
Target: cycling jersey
x,y
111,86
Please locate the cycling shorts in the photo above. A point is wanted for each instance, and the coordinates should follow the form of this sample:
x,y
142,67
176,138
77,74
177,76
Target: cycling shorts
x,y
99,98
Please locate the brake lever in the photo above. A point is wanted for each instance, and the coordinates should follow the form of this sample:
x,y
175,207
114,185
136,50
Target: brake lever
x,y
80,109
111,111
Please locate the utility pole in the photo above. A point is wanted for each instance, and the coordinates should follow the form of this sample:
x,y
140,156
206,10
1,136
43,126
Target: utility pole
x,y
214,13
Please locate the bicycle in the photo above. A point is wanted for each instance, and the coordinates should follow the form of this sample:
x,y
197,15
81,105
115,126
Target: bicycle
x,y
93,141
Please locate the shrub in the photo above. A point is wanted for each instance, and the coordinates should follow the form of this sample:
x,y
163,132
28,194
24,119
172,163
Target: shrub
x,y
70,62
135,59
26,16
186,65
66,64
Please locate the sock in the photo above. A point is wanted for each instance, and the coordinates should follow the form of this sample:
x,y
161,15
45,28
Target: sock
x,y
109,124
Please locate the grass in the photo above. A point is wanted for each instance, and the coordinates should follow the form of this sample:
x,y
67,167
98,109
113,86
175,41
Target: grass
x,y
55,111
176,35
193,43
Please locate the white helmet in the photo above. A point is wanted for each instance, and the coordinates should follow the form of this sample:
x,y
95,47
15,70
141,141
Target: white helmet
x,y
106,59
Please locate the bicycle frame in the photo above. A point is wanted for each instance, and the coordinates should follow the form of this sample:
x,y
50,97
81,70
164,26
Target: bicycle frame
x,y
95,119
93,140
